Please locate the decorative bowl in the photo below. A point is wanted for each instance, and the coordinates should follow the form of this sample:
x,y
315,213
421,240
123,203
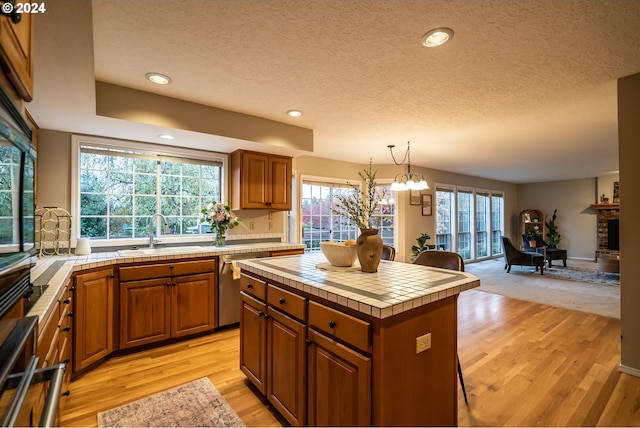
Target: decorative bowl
x,y
339,254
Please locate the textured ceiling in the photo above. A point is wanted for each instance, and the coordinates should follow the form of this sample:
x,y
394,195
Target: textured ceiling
x,y
525,91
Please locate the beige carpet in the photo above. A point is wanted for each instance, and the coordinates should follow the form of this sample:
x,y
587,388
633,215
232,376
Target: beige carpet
x,y
194,404
525,284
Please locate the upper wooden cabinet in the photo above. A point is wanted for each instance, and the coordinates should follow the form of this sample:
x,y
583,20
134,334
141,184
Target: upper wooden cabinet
x,y
260,181
16,53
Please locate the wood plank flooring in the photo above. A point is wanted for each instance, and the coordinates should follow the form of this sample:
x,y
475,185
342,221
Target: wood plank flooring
x,y
524,364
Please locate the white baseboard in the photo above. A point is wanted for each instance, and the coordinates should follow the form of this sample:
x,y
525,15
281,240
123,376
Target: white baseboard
x,y
629,370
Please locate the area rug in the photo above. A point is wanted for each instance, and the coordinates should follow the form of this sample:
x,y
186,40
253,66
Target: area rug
x,y
194,404
581,274
525,283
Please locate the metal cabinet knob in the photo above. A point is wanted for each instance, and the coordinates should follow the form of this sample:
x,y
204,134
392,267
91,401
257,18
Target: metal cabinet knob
x,y
282,300
332,324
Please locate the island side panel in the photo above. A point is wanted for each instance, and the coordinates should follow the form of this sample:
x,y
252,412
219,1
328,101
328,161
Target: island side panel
x,y
416,389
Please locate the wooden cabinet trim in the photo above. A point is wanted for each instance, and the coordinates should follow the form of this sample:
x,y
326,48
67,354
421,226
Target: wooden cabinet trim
x,y
253,286
349,329
287,302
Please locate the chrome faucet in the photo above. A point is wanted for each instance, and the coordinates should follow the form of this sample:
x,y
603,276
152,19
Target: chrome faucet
x,y
166,227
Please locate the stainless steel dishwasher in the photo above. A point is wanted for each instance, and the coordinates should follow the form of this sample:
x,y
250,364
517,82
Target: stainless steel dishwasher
x,y
229,288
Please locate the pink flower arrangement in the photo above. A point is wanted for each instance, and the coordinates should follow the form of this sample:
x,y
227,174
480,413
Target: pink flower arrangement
x,y
219,216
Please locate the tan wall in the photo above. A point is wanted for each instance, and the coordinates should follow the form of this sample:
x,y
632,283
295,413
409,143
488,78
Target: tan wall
x,y
54,185
410,221
629,157
577,222
54,169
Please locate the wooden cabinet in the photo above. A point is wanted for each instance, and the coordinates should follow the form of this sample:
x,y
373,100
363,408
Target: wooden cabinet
x,y
339,384
93,317
273,351
339,376
55,338
16,52
253,341
260,181
294,252
167,300
532,220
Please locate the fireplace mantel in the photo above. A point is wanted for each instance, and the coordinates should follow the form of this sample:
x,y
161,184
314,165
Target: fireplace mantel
x,y
606,206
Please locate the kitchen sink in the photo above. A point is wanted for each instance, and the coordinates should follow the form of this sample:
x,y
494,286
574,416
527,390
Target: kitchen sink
x,y
162,250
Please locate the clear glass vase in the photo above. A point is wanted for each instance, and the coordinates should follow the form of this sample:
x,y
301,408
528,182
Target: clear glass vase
x,y
220,239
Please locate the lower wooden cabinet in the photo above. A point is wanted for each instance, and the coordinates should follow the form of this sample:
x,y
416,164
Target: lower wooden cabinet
x,y
286,366
93,317
253,341
273,356
55,339
153,310
339,384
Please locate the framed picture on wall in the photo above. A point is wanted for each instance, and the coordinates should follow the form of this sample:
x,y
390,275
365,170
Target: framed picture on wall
x,y
616,192
414,197
426,205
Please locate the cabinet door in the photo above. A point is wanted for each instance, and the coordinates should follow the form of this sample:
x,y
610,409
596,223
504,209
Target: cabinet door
x,y
194,304
339,384
145,311
93,317
253,341
279,182
286,366
255,174
16,52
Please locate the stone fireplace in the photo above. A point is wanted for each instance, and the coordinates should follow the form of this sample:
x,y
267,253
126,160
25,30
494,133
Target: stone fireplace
x,y
608,218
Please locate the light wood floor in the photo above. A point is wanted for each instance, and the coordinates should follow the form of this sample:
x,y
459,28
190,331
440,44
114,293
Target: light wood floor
x,y
524,364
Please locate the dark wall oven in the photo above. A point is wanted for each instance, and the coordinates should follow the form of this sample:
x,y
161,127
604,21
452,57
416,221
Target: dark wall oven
x,y
17,206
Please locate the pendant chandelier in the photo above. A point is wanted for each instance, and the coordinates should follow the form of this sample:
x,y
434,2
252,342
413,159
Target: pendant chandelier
x,y
407,181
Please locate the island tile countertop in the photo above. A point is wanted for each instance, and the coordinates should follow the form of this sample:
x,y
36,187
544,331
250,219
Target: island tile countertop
x,y
54,271
396,287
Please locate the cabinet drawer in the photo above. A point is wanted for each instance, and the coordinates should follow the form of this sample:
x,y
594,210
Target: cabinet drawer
x,y
286,302
134,273
278,253
253,286
193,267
342,326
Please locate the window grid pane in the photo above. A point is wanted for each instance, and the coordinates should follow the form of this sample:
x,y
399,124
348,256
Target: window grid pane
x,y
120,190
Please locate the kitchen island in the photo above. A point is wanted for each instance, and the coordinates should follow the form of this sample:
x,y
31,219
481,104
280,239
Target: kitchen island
x,y
336,346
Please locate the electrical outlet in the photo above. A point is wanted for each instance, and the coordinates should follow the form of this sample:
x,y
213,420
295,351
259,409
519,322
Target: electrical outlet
x,y
423,343
270,225
252,225
270,216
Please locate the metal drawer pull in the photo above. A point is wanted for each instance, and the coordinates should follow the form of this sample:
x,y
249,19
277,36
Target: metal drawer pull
x,y
332,324
282,300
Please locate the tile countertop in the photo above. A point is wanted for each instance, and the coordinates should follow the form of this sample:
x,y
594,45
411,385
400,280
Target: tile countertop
x,y
395,288
56,270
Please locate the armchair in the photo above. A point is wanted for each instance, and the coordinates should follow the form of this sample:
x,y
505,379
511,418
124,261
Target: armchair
x,y
513,256
550,253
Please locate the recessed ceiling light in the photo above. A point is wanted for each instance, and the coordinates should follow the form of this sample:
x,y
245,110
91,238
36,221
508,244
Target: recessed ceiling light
x,y
167,136
294,113
158,79
437,37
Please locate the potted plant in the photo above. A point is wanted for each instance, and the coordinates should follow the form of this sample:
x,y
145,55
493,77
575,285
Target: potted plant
x,y
553,237
358,207
422,244
532,236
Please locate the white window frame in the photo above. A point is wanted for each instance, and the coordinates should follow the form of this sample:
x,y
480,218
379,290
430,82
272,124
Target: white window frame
x,y
454,219
332,180
78,140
